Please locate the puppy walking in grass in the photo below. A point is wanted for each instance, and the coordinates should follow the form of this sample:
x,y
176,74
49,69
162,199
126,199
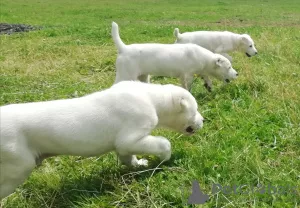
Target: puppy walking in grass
x,y
218,42
118,119
137,61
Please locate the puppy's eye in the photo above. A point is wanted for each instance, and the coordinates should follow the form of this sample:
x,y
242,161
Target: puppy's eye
x,y
250,46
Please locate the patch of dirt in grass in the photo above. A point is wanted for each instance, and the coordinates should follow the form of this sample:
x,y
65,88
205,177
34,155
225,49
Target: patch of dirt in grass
x,y
6,28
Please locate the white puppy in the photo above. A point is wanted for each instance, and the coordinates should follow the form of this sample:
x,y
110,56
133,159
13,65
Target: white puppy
x,y
117,119
137,61
218,42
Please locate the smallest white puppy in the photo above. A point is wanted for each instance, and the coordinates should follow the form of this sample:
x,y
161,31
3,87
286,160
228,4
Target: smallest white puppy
x,y
218,41
118,119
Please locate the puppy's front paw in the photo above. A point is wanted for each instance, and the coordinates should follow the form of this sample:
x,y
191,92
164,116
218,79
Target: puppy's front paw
x,y
166,149
142,162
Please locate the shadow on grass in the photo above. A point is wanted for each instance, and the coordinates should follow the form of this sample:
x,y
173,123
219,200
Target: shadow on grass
x,y
101,184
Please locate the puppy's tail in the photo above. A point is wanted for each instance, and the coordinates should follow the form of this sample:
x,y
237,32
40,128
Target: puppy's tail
x,y
177,33
116,37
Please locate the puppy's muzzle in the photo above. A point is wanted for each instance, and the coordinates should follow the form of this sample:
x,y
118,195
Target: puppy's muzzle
x,y
248,54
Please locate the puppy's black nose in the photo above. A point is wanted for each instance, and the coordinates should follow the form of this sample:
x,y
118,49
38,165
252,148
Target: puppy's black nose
x,y
237,74
203,119
255,53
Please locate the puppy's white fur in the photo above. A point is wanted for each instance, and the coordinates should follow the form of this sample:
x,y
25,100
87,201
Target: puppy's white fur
x,y
218,41
137,61
117,119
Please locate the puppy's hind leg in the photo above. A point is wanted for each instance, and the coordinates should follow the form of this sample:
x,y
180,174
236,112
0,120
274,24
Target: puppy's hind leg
x,y
13,175
125,72
150,145
186,81
14,171
144,78
124,76
7,188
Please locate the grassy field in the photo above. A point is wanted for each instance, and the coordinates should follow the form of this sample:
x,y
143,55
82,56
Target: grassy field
x,y
252,133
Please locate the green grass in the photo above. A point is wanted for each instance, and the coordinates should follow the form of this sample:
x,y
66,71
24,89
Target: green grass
x,y
252,133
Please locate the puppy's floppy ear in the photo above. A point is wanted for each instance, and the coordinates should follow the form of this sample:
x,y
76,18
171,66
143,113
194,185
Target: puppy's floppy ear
x,y
244,38
219,61
183,104
180,104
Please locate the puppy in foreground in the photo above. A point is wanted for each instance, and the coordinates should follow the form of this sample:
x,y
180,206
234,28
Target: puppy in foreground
x,y
118,119
137,61
219,42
